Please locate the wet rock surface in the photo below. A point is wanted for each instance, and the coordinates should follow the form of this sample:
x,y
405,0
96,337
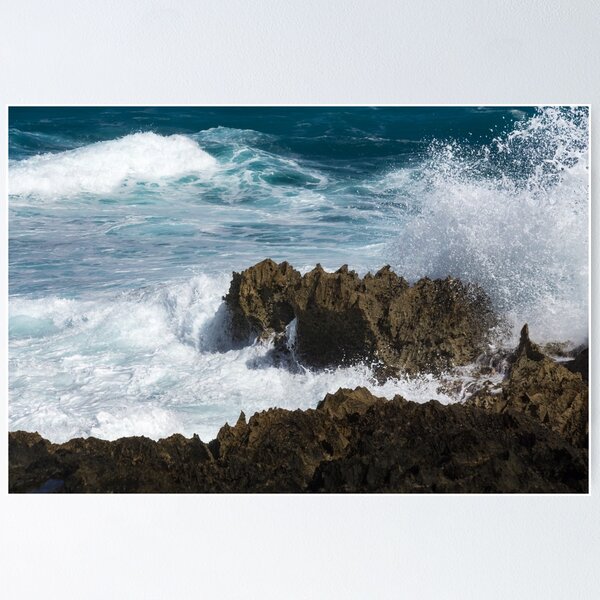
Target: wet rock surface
x,y
342,318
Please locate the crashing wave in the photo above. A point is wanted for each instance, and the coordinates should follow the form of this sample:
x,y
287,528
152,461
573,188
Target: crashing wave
x,y
511,216
105,166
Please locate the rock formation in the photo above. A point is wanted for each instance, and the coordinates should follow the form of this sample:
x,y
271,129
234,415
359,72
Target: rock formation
x,y
342,318
259,299
544,389
134,464
401,446
353,442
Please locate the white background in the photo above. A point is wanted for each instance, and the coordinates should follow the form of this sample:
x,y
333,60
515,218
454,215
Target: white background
x,y
326,51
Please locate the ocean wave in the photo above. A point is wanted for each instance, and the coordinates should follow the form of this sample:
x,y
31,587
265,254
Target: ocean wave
x,y
154,362
220,166
103,167
511,216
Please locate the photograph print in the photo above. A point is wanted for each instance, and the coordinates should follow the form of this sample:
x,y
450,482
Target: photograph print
x,y
298,299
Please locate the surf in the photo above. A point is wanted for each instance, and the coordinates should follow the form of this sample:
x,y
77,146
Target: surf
x,y
157,361
510,216
121,252
103,167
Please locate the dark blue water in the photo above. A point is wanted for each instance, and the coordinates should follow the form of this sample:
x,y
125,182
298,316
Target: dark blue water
x,y
303,184
323,134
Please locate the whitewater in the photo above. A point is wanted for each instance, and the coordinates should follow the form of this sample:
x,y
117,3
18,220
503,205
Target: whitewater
x,y
121,251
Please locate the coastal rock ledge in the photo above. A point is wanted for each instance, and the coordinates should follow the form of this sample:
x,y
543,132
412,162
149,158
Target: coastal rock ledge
x,y
547,390
354,442
531,437
341,318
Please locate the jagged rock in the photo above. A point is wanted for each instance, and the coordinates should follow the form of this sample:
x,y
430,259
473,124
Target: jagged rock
x,y
276,451
348,402
343,319
548,391
352,442
134,464
336,318
31,463
258,299
401,446
544,389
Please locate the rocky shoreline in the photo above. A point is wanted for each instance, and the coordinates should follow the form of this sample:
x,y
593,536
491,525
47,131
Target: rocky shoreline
x,y
528,434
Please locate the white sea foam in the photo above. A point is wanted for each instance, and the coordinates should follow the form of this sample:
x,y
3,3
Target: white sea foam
x,y
105,166
523,238
154,362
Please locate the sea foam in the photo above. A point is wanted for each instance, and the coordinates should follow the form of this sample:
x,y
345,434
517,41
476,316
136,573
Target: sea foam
x,y
155,359
153,362
102,167
516,225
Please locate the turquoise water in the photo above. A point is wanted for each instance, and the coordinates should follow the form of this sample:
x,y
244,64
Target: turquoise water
x,y
125,225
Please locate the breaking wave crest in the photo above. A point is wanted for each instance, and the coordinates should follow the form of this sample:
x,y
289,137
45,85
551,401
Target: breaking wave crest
x,y
511,216
105,166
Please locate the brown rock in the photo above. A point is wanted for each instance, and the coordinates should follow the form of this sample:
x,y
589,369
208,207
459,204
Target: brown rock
x,y
439,324
276,451
258,299
544,389
134,464
401,446
348,402
354,442
344,319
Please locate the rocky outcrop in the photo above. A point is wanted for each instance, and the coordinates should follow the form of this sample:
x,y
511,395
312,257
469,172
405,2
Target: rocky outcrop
x,y
544,389
345,403
580,363
527,434
342,318
276,451
259,299
401,446
353,442
134,464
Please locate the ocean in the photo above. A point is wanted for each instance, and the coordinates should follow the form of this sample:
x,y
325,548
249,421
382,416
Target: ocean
x,y
125,225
